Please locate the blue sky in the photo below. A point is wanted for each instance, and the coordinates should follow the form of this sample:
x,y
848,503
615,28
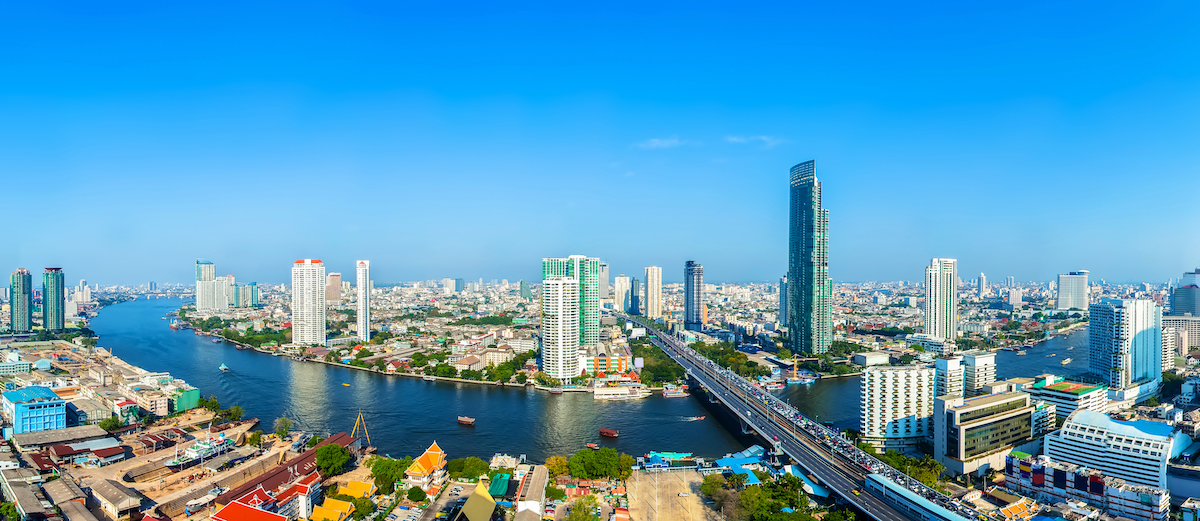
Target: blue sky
x,y
456,139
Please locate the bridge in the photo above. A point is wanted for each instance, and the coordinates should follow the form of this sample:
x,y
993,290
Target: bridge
x,y
823,452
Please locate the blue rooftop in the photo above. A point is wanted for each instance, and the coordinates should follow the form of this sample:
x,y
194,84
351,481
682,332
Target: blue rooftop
x,y
29,394
1136,428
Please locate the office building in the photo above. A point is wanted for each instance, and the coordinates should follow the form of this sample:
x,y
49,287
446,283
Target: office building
x,y
605,288
1136,451
560,326
620,293
1125,347
54,300
1054,483
245,295
586,271
333,288
34,409
975,434
1073,291
896,406
783,298
983,287
941,298
1067,397
979,369
1187,331
209,295
1169,337
1185,300
653,292
810,292
1010,281
933,344
21,301
363,316
308,302
152,286
526,293
693,296
635,297
948,376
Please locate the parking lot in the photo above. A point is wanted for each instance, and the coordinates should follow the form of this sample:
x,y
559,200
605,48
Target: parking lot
x,y
446,500
656,496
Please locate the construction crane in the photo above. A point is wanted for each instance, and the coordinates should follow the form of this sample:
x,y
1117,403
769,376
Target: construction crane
x,y
361,421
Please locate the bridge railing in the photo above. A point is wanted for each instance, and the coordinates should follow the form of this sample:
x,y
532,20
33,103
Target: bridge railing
x,y
839,444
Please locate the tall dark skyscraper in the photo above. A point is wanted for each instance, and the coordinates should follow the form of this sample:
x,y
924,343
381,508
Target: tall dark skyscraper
x,y
54,299
635,297
21,299
810,291
1186,298
525,292
693,295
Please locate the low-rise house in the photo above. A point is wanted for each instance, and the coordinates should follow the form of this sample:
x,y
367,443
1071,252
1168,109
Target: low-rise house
x,y
114,498
469,362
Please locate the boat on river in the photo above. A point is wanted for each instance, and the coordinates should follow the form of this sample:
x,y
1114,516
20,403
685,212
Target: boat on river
x,y
593,446
1020,353
556,390
217,340
429,378
695,418
674,391
1066,361
466,420
224,368
609,433
200,451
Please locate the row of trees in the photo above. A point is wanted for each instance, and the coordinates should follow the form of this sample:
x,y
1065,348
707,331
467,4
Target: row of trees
x,y
765,502
593,464
726,355
491,320
258,338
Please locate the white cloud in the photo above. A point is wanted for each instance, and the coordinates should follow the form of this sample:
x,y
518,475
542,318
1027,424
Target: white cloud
x,y
670,142
767,141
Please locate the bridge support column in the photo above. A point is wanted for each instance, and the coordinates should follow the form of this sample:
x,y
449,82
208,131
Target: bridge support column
x,y
746,428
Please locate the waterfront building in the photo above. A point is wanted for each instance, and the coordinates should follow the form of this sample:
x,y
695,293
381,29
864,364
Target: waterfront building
x,y
621,293
1051,482
1186,298
975,434
586,271
605,288
941,298
653,292
54,300
1136,451
1187,331
896,406
1073,291
560,327
693,296
21,301
983,287
34,409
1067,397
934,344
428,472
333,288
1125,347
783,298
363,283
949,376
635,297
810,291
206,273
308,302
979,369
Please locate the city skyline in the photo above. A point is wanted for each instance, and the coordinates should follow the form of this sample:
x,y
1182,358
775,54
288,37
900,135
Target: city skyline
x,y
947,149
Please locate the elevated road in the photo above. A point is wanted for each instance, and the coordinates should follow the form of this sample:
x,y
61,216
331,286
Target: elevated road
x,y
823,452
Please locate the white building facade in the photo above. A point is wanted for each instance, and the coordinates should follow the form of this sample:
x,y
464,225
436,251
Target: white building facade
x,y
308,302
620,295
363,317
896,406
941,298
1073,290
560,327
653,292
1125,347
1135,451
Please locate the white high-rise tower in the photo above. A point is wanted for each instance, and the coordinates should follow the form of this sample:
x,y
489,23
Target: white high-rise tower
x,y
560,327
941,298
1073,290
653,292
982,285
364,301
308,302
621,293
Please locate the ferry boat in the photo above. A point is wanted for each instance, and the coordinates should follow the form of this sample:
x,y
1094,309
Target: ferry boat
x,y
556,390
593,446
1066,361
1020,353
674,391
466,420
174,325
609,433
774,385
623,392
217,340
696,418
429,378
200,451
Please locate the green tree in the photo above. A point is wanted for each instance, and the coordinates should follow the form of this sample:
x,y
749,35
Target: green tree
x,y
255,439
9,511
332,459
235,413
282,427
712,484
474,467
554,493
582,510
388,471
111,424
558,466
625,466
313,441
416,494
212,404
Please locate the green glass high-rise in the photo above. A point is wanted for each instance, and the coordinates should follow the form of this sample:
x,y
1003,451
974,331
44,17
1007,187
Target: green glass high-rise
x,y
810,291
54,300
21,299
587,271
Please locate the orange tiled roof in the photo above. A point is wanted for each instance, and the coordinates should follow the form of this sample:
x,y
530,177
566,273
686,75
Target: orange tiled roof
x,y
432,460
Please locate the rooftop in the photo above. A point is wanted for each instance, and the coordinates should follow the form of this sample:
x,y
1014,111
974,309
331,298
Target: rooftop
x,y
1134,428
30,394
1068,387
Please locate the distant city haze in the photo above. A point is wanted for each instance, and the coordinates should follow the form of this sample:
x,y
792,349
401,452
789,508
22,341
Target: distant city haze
x,y
438,141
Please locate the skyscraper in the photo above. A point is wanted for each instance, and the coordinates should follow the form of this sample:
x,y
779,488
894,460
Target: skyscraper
x,y
54,299
525,291
653,292
585,270
206,290
1073,290
635,297
333,287
783,298
1125,346
605,290
1186,298
810,291
363,282
693,296
983,288
941,298
560,326
21,300
620,293
308,302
